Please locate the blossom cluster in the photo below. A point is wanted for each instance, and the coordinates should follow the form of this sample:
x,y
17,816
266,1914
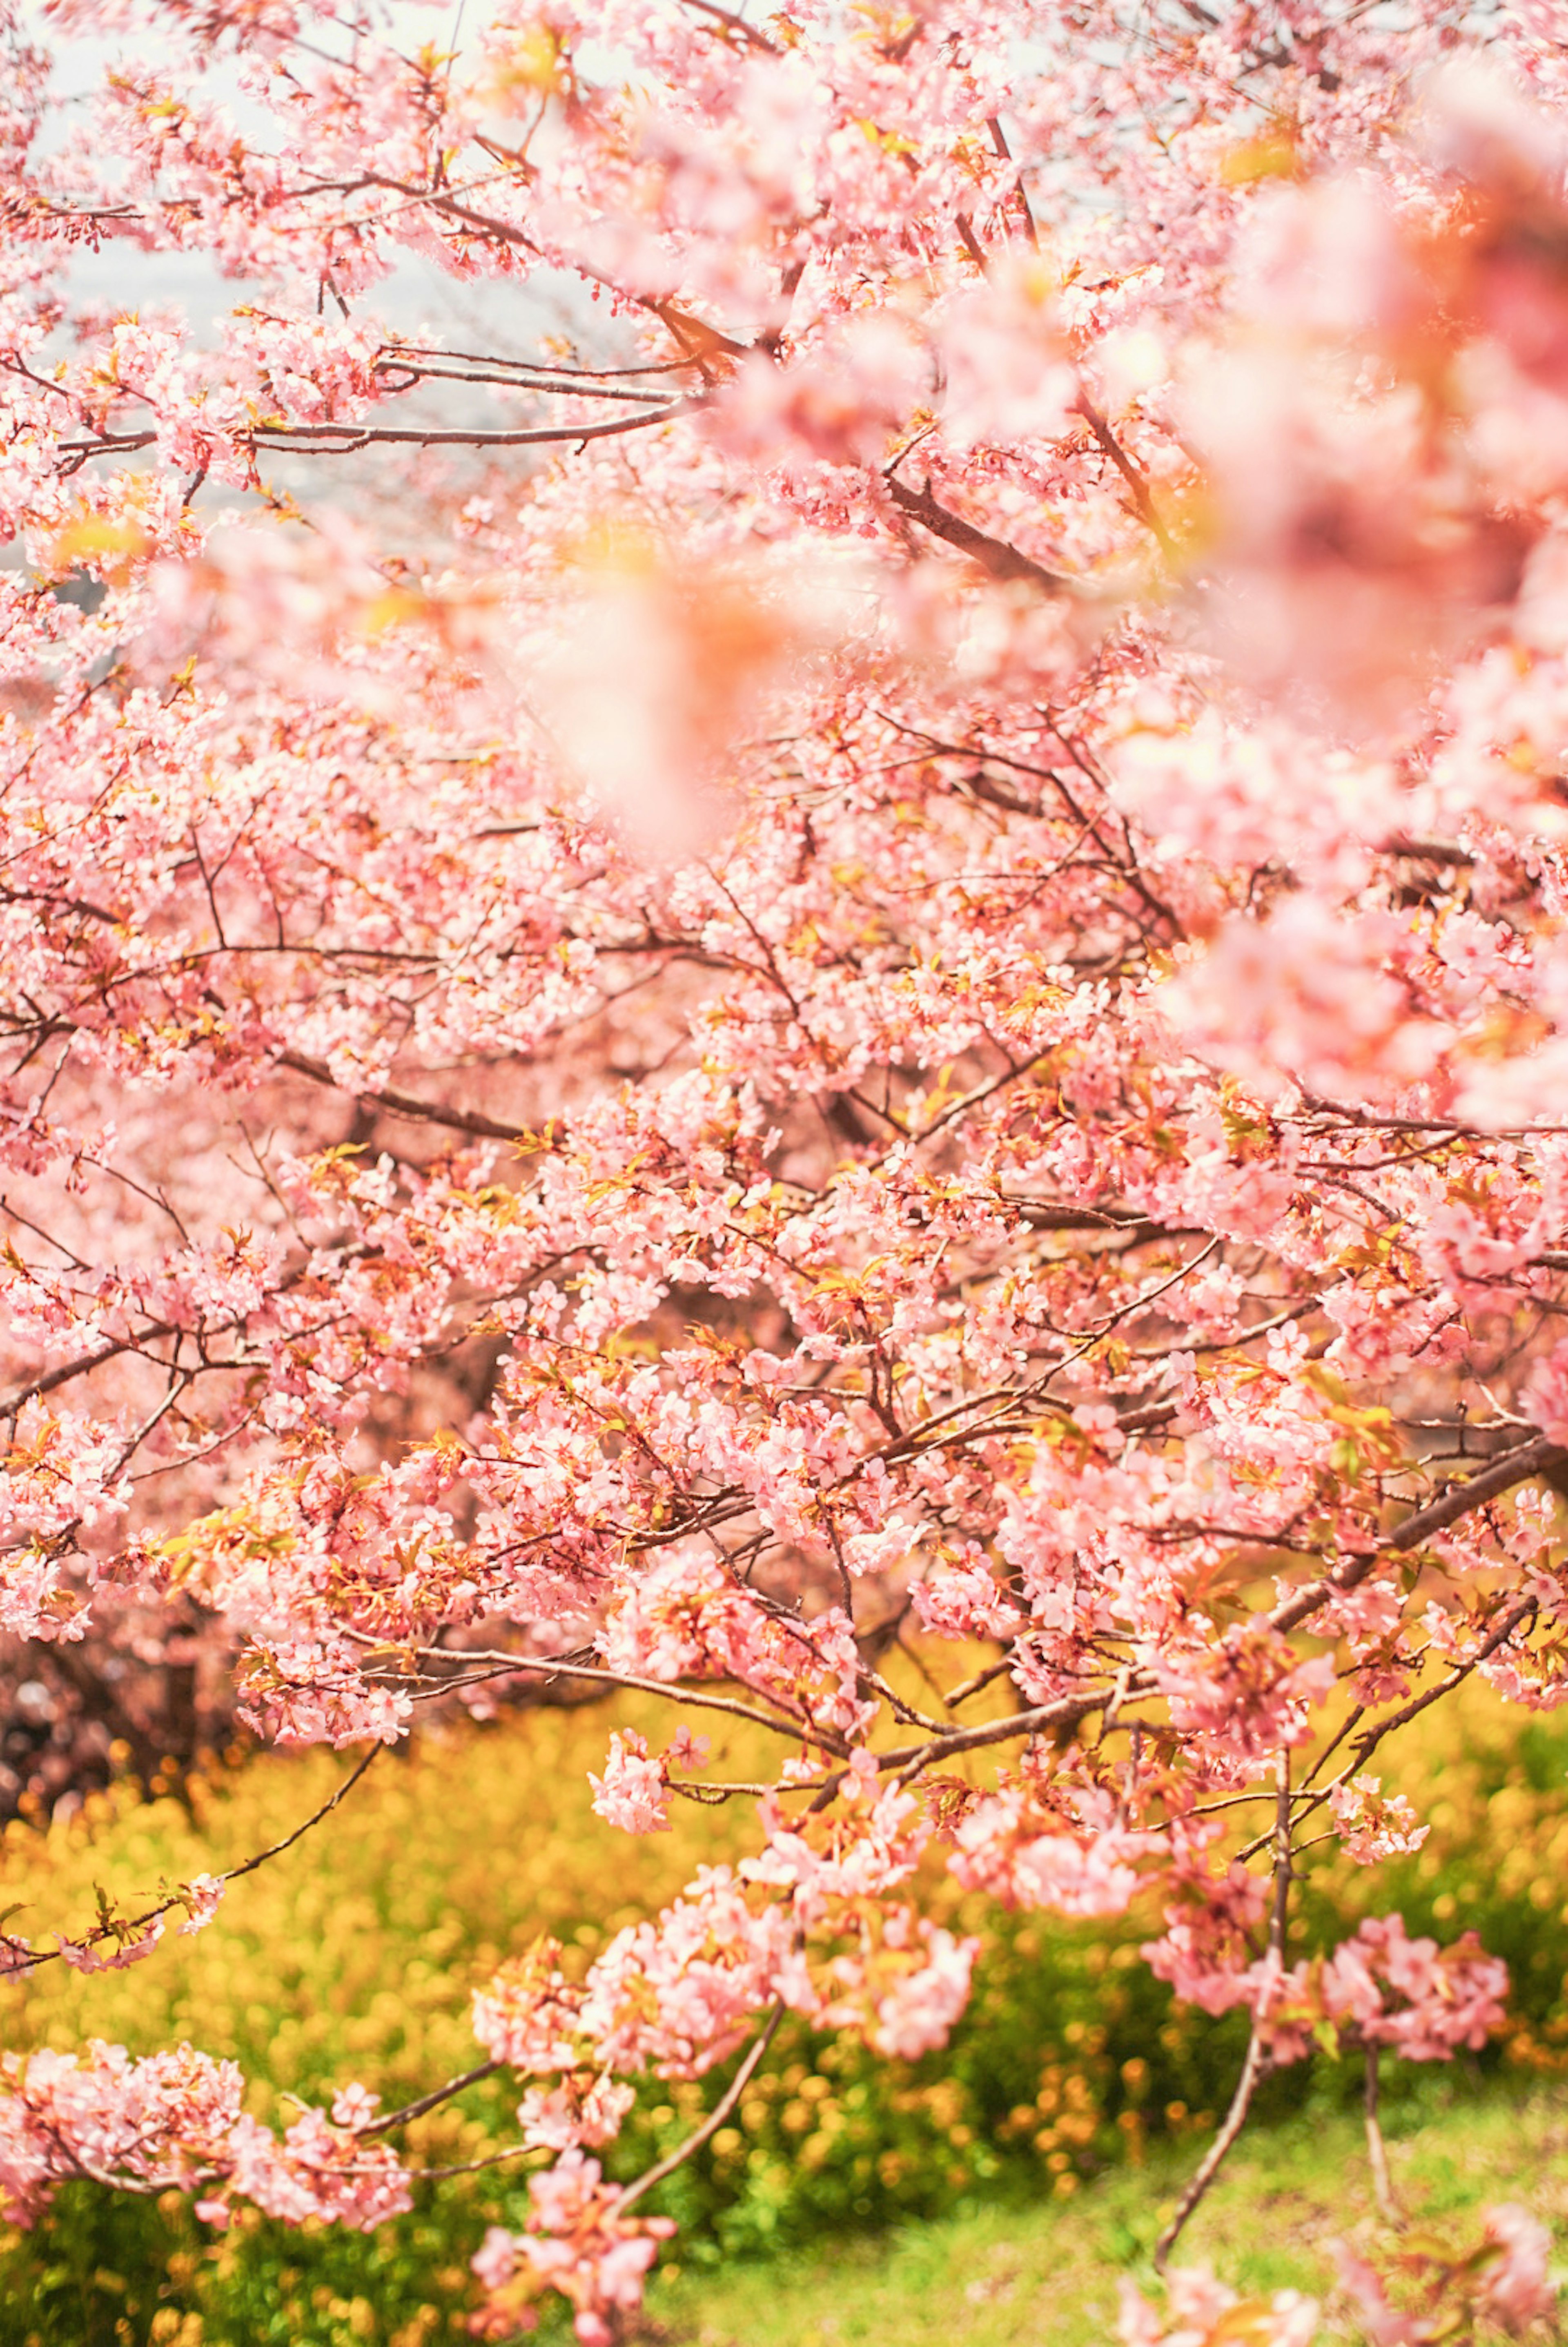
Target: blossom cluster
x,y
175,2120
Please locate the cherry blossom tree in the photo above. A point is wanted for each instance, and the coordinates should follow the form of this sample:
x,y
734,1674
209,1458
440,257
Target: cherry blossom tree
x,y
849,934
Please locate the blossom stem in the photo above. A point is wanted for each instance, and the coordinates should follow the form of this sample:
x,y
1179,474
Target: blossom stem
x,y
1377,2154
711,2124
428,2102
1257,2064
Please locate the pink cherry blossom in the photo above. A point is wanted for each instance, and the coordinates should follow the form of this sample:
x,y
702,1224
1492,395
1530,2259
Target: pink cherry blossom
x,y
1372,1827
1202,2309
1517,2291
841,1003
632,1791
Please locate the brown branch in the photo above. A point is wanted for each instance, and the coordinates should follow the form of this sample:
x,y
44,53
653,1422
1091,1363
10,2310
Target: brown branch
x,y
82,1364
521,378
469,2166
249,1865
395,1103
346,439
1515,1466
1256,2066
1135,479
1377,2154
999,140
672,1690
1368,1741
995,556
749,33
428,2102
711,2124
342,439
101,1931
151,1335
973,1685
1499,1635
586,379
1066,1712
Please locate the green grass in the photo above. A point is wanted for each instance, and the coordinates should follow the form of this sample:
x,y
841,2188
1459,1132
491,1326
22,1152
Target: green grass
x,y
1009,2271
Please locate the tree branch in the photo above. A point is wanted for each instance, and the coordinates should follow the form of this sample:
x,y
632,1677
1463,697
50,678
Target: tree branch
x,y
459,1120
428,2102
1515,1466
99,1931
1256,2066
1136,481
995,556
345,439
1377,2153
711,2124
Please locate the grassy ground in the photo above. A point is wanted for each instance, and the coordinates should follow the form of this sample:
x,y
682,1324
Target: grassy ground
x,y
989,2277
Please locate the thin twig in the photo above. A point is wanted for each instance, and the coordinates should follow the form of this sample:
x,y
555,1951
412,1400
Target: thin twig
x,y
711,2124
101,1931
249,1865
1256,2064
1366,1742
471,2167
428,2102
1382,2184
672,1690
403,1103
